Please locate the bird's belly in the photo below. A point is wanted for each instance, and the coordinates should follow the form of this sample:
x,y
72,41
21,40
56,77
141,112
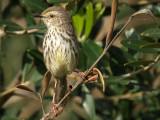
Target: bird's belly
x,y
61,59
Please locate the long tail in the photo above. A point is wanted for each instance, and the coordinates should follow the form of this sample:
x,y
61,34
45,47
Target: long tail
x,y
60,90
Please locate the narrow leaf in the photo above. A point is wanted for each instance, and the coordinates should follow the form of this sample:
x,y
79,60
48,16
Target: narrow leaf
x,y
23,87
151,45
98,11
89,19
78,21
10,26
88,103
138,63
57,1
36,76
136,44
46,81
152,33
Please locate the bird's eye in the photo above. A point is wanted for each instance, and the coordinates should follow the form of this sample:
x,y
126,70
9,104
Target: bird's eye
x,y
51,15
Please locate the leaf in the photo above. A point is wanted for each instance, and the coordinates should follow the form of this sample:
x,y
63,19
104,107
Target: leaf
x,y
152,33
89,19
78,21
57,1
10,26
82,62
71,5
26,69
23,87
36,5
135,45
88,103
93,51
35,27
36,76
151,45
124,11
46,80
138,63
98,11
35,54
8,118
115,79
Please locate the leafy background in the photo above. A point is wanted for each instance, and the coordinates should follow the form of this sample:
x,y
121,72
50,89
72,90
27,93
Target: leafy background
x,y
128,95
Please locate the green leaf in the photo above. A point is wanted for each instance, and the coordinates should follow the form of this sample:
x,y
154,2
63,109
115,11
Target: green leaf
x,y
88,103
138,63
93,51
124,11
82,62
9,118
135,45
98,11
36,5
57,1
115,80
35,54
152,33
78,21
26,70
36,76
89,19
35,27
10,26
151,45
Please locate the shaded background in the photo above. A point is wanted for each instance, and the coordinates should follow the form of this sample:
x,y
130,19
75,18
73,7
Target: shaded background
x,y
126,97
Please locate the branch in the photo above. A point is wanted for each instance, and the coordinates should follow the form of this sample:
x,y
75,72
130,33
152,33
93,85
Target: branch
x,y
23,32
107,46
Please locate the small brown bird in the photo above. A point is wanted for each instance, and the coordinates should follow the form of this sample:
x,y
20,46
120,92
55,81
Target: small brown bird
x,y
60,48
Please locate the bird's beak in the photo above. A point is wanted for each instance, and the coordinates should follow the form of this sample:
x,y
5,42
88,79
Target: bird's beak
x,y
38,16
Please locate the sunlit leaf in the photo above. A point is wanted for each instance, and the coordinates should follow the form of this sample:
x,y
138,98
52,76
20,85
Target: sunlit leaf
x,y
98,11
138,63
152,33
88,103
89,19
78,21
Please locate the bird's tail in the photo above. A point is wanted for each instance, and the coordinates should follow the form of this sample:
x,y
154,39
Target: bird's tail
x,y
60,90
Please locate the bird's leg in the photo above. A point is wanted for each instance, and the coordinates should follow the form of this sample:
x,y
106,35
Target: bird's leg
x,y
58,110
54,97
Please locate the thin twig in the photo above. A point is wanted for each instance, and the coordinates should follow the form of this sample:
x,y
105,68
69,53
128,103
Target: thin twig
x,y
23,32
146,11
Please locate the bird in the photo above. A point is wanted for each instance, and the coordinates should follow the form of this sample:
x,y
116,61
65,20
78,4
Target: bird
x,y
60,48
